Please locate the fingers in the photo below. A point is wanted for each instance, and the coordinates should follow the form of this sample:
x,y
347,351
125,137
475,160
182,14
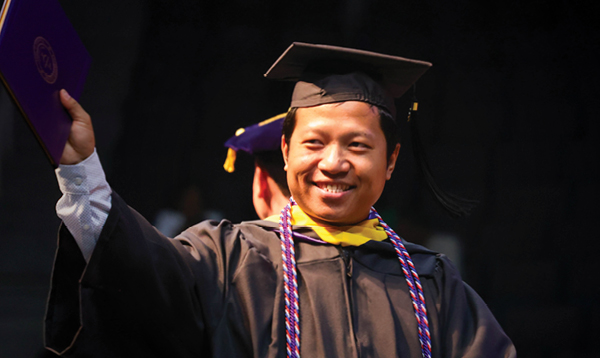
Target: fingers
x,y
81,142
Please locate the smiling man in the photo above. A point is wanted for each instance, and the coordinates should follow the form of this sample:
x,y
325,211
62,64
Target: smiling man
x,y
336,161
327,278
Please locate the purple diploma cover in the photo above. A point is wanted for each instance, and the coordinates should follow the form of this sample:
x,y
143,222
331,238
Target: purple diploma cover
x,y
40,53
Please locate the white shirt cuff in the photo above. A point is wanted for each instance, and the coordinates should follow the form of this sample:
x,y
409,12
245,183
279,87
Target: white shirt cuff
x,y
86,201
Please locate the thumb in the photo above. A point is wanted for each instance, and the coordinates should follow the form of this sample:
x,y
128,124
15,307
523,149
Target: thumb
x,y
81,142
77,113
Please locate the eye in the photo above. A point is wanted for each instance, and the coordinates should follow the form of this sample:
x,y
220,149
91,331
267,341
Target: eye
x,y
359,146
313,143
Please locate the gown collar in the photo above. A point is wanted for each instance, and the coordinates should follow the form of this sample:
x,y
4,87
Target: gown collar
x,y
350,235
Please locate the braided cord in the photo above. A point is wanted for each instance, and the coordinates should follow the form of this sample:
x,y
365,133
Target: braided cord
x,y
290,283
414,285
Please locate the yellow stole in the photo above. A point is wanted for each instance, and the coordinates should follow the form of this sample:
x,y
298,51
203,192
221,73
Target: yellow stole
x,y
351,235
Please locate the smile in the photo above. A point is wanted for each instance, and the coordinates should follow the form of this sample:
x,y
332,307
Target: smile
x,y
334,188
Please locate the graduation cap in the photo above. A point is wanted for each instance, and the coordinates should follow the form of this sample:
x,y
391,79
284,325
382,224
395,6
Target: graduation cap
x,y
262,137
329,74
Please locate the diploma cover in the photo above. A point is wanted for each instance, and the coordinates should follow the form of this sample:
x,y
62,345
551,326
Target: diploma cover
x,y
40,53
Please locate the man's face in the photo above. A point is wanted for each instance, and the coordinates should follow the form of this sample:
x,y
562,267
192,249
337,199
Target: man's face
x,y
336,161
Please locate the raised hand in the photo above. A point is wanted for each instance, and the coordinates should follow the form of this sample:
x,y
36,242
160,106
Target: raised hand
x,y
81,142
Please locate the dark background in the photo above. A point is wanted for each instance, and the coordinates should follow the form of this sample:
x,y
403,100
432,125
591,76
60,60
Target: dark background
x,y
509,117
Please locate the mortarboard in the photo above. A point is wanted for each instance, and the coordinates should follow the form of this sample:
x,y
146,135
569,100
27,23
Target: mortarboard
x,y
329,74
261,137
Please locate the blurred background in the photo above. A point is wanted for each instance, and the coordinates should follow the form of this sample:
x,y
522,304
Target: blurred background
x,y
508,115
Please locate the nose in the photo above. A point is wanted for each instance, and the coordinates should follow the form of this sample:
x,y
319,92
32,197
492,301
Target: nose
x,y
334,160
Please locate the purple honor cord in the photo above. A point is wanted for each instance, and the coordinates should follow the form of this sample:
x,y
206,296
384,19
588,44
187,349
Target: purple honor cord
x,y
290,284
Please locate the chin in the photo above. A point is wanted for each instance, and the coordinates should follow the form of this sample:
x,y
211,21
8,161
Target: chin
x,y
338,218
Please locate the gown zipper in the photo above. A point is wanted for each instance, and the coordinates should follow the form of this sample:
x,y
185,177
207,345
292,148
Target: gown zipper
x,y
346,256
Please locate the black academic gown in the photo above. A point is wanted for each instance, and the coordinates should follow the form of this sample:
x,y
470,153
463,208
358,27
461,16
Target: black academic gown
x,y
217,291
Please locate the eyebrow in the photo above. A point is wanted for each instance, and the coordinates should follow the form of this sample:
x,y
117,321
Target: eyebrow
x,y
352,134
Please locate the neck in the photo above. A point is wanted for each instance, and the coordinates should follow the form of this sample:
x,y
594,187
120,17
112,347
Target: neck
x,y
328,223
278,202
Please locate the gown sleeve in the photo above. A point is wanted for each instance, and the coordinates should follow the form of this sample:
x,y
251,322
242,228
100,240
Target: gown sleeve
x,y
141,294
468,328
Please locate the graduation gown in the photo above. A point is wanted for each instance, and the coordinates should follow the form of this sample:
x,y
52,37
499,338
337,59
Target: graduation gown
x,y
216,290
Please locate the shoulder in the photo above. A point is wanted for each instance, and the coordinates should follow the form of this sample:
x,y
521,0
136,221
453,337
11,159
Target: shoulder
x,y
432,263
226,230
427,262
227,237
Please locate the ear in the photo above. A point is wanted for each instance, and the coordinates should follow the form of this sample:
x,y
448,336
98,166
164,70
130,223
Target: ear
x,y
256,183
260,185
261,194
284,150
392,162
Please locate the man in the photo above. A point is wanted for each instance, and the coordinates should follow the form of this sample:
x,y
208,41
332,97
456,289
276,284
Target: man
x,y
269,186
331,280
270,191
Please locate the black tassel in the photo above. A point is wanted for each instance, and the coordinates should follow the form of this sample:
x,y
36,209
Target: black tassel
x,y
456,206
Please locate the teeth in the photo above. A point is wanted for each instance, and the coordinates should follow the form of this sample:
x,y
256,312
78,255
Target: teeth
x,y
335,188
